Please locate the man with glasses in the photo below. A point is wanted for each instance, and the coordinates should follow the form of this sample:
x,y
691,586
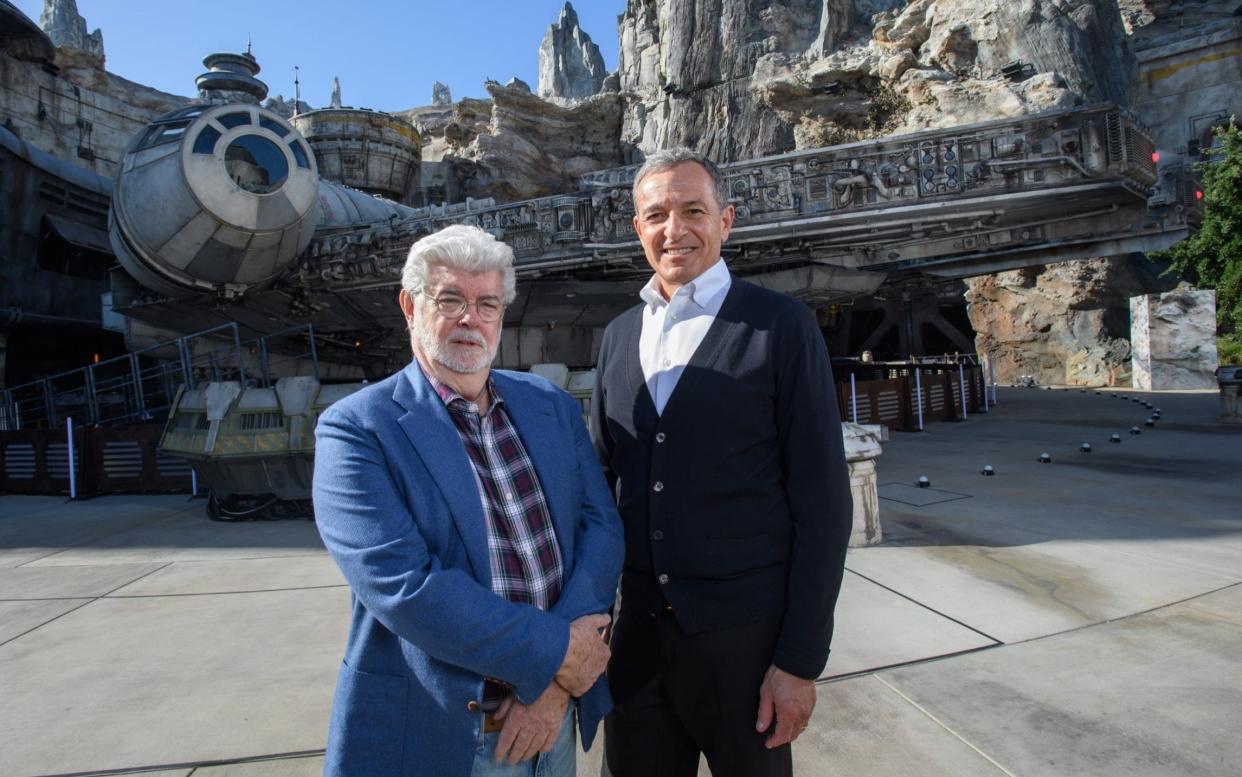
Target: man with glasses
x,y
468,513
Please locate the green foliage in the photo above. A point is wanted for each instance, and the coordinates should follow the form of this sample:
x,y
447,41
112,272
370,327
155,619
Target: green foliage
x,y
1229,349
1212,257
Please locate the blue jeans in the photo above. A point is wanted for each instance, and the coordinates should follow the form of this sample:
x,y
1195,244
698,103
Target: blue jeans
x,y
560,761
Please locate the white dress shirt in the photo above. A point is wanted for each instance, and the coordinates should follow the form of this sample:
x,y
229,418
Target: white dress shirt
x,y
674,328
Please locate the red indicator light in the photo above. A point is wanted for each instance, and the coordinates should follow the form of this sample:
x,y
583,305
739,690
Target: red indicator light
x,y
1198,194
1155,157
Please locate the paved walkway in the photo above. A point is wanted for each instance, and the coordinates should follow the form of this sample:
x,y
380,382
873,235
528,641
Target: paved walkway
x,y
1082,617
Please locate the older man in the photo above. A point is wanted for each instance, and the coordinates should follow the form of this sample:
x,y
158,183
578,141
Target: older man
x,y
481,545
715,413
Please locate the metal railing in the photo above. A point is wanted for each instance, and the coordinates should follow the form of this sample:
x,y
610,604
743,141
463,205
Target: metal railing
x,y
139,387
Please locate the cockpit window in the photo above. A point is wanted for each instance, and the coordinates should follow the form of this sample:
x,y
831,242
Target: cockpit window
x,y
205,143
189,113
232,120
274,126
256,164
159,134
299,154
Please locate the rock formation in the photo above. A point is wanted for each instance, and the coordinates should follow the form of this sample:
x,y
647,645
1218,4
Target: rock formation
x,y
1174,339
744,78
1067,323
570,65
285,107
62,23
756,78
60,99
534,148
738,79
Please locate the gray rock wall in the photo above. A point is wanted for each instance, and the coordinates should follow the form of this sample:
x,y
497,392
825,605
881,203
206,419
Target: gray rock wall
x,y
1065,324
66,27
80,113
749,77
570,65
1173,339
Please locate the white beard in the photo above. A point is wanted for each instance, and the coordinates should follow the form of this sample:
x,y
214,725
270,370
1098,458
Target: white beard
x,y
461,360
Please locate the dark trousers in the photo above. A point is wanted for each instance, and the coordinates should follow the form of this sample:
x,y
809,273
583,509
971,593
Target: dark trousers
x,y
677,695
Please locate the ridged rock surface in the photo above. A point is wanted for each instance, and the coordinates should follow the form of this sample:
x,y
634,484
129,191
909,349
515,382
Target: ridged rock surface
x,y
535,148
753,77
1174,339
738,79
1066,324
66,27
570,65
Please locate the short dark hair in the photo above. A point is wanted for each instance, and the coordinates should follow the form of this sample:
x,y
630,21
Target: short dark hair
x,y
671,157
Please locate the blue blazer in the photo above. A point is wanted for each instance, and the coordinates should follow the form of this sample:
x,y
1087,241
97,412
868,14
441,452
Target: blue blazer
x,y
398,508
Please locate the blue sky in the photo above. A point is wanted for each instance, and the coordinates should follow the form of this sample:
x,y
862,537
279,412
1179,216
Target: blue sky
x,y
387,53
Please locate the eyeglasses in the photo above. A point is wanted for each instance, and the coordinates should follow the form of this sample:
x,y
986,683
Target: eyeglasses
x,y
489,309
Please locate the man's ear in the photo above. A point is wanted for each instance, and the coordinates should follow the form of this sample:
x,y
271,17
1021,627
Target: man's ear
x,y
407,304
726,222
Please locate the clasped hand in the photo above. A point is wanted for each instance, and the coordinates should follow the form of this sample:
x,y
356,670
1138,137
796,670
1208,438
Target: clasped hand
x,y
533,728
587,656
530,728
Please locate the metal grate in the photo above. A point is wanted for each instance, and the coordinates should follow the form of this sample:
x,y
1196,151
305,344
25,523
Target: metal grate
x,y
58,460
888,405
122,459
19,461
170,467
253,422
1113,130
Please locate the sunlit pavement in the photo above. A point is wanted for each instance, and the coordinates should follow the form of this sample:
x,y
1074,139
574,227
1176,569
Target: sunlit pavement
x,y
1080,617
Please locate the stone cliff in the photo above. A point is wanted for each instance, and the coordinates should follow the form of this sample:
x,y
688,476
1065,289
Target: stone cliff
x,y
570,65
745,78
1065,323
67,29
738,79
59,98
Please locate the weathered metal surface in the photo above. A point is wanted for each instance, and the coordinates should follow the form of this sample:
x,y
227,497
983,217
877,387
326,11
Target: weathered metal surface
x,y
122,459
368,150
889,394
251,441
824,224
53,217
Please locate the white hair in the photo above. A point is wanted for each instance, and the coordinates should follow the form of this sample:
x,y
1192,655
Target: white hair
x,y
459,247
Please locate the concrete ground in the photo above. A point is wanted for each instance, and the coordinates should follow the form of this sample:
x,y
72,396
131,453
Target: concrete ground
x,y
1081,617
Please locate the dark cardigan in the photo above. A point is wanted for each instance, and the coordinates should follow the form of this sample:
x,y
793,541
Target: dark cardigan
x,y
736,500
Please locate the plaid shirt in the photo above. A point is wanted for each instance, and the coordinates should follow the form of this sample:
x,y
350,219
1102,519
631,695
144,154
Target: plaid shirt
x,y
525,560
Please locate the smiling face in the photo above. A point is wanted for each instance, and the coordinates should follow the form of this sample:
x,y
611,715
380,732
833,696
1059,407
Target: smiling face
x,y
465,344
680,224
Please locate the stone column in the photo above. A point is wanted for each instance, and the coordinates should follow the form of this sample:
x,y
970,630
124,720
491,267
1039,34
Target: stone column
x,y
862,446
1173,339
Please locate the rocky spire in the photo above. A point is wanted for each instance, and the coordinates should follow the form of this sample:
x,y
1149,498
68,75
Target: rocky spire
x,y
570,65
62,23
440,94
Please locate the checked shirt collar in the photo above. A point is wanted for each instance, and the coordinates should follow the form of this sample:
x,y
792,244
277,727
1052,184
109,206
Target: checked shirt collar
x,y
523,554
